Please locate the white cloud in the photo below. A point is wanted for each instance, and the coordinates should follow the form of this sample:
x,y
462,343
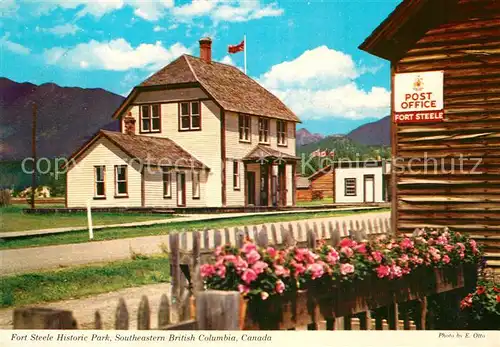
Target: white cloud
x,y
158,28
8,8
227,60
226,10
321,83
61,30
14,47
147,9
117,55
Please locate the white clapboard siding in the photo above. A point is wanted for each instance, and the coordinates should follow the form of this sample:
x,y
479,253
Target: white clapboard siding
x,y
81,177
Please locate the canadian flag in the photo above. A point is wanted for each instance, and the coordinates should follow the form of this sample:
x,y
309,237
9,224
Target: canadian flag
x,y
240,47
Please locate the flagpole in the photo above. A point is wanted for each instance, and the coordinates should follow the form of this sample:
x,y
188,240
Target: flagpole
x,y
245,52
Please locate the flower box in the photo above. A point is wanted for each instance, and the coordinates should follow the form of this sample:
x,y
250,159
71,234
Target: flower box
x,y
307,306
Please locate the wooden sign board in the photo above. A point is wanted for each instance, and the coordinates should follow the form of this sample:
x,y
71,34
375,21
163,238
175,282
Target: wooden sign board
x,y
418,97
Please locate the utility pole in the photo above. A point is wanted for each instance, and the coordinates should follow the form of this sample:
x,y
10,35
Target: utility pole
x,y
33,150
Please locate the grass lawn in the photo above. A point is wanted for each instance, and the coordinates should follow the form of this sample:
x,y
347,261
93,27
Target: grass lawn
x,y
325,201
122,233
82,281
12,218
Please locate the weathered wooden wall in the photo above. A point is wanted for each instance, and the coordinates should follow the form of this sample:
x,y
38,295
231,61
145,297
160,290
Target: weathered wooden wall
x,y
467,48
304,194
324,182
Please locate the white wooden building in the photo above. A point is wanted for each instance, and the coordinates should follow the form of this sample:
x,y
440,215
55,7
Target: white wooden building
x,y
362,181
197,133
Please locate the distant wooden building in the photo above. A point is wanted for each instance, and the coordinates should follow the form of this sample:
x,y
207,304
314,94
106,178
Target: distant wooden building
x,y
323,181
303,191
448,168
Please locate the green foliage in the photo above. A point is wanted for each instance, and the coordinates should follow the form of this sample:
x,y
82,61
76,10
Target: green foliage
x,y
345,149
83,281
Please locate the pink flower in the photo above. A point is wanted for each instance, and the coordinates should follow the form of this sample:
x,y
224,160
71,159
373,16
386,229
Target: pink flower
x,y
316,270
404,258
301,254
230,258
461,246
281,271
347,243
240,264
248,276
396,271
264,295
259,267
207,270
252,256
406,243
218,250
473,244
221,271
347,251
299,268
383,271
446,259
332,257
243,289
448,248
248,247
431,241
361,248
280,287
377,256
346,268
462,255
442,240
271,251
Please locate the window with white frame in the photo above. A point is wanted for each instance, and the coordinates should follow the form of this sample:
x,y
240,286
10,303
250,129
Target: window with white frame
x,y
236,175
281,132
167,184
263,130
196,184
150,118
189,116
99,182
244,125
350,186
121,180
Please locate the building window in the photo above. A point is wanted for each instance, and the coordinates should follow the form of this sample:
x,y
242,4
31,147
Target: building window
x,y
350,186
121,180
190,116
196,184
150,118
244,125
263,130
236,175
99,182
167,184
281,132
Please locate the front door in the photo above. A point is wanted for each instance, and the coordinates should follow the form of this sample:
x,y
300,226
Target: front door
x,y
282,185
264,185
369,188
181,189
250,188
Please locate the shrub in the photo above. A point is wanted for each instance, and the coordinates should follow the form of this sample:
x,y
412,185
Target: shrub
x,y
317,195
5,197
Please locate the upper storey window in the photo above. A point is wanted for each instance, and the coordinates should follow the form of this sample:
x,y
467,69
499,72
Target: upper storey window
x,y
281,132
244,123
189,116
150,118
263,130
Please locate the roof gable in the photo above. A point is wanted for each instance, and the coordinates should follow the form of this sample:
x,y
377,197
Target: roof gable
x,y
148,150
230,88
409,22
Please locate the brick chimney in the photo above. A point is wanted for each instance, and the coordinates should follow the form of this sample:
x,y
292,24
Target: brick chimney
x,y
206,49
129,123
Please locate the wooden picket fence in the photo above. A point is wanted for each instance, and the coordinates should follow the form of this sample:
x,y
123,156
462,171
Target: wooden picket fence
x,y
187,250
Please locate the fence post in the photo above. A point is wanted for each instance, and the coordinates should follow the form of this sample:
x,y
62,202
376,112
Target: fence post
x,y
217,238
219,310
43,318
227,236
164,312
274,235
262,239
89,221
121,316
174,266
143,315
311,239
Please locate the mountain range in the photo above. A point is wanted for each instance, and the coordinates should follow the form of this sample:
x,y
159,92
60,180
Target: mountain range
x,y
68,116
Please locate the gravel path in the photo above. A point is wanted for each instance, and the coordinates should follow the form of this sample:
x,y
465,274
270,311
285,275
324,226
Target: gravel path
x,y
84,309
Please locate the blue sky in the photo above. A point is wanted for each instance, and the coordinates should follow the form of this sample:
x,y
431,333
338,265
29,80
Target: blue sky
x,y
303,51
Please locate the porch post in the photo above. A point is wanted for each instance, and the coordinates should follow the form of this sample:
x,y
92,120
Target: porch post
x,y
245,183
294,183
269,184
